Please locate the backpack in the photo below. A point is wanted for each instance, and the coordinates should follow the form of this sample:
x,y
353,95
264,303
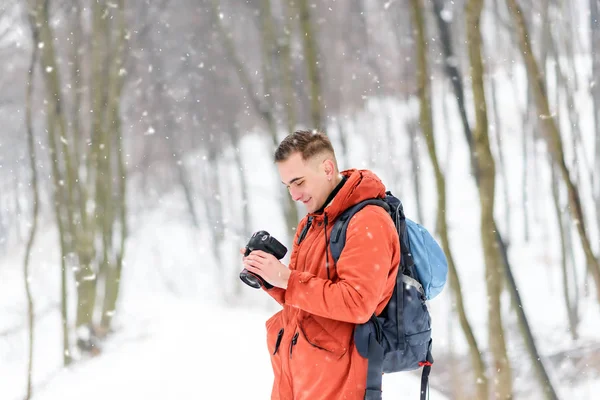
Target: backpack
x,y
399,339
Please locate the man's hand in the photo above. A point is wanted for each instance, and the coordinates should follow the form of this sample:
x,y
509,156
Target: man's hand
x,y
267,267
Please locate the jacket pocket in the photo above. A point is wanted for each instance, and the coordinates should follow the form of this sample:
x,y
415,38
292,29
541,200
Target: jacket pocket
x,y
275,332
318,337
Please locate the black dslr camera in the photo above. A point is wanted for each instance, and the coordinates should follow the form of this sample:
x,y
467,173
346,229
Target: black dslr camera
x,y
261,240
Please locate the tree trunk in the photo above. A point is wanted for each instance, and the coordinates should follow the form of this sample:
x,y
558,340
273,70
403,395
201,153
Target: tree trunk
x,y
572,113
595,89
186,183
101,157
451,69
570,309
312,64
568,223
117,217
287,71
76,77
77,127
415,168
269,44
527,133
503,175
486,173
572,40
390,135
113,278
62,225
426,121
410,125
571,301
343,133
446,121
244,232
214,208
234,136
530,345
36,206
566,219
177,156
105,213
554,140
498,132
55,120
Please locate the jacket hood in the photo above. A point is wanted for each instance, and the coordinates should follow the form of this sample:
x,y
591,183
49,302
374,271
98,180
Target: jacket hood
x,y
361,184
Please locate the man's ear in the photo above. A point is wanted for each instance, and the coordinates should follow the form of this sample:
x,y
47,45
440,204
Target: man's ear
x,y
328,167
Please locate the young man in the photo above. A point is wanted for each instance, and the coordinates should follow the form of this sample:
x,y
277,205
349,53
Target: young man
x,y
311,340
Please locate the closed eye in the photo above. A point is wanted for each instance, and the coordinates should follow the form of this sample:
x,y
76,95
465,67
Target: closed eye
x,y
298,181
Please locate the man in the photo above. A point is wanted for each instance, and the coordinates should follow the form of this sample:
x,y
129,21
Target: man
x,y
311,340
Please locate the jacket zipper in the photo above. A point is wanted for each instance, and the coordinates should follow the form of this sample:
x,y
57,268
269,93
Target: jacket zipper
x,y
293,343
279,337
312,344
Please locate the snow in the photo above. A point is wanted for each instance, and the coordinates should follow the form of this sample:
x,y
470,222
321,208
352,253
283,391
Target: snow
x,y
217,353
178,336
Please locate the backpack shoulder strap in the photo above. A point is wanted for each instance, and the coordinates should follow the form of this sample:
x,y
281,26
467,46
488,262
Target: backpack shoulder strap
x,y
338,232
397,212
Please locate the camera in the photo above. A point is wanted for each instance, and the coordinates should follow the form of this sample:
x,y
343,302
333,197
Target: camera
x,y
261,240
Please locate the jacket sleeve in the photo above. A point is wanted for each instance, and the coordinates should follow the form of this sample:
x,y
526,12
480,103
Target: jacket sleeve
x,y
370,258
278,293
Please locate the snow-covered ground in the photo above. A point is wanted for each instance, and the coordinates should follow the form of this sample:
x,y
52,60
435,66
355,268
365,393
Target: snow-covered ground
x,y
171,342
188,351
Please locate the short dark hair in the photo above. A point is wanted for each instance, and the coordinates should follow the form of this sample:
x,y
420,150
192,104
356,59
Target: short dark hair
x,y
307,143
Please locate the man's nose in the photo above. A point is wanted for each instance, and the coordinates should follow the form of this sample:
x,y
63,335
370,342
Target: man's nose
x,y
296,195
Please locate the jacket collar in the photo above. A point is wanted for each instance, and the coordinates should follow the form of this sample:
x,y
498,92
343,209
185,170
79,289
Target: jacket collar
x,y
356,186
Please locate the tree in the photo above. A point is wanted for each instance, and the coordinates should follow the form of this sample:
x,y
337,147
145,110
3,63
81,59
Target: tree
x,y
451,69
595,89
426,122
89,216
115,229
486,173
62,201
309,40
36,205
553,138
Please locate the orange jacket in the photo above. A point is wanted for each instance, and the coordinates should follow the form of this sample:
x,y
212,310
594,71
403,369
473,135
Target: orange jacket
x,y
311,339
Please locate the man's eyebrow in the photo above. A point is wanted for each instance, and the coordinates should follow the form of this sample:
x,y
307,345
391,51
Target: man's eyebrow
x,y
293,180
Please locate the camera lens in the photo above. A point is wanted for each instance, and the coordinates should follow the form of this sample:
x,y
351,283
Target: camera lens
x,y
250,279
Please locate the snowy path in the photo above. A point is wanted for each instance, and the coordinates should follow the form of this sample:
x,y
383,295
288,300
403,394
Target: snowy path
x,y
195,353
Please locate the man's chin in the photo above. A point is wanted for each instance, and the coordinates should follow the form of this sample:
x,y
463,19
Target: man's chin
x,y
309,206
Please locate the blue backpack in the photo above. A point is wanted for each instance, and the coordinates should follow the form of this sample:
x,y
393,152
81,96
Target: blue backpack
x,y
400,338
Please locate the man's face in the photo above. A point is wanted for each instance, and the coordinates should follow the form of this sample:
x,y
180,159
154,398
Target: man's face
x,y
307,181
